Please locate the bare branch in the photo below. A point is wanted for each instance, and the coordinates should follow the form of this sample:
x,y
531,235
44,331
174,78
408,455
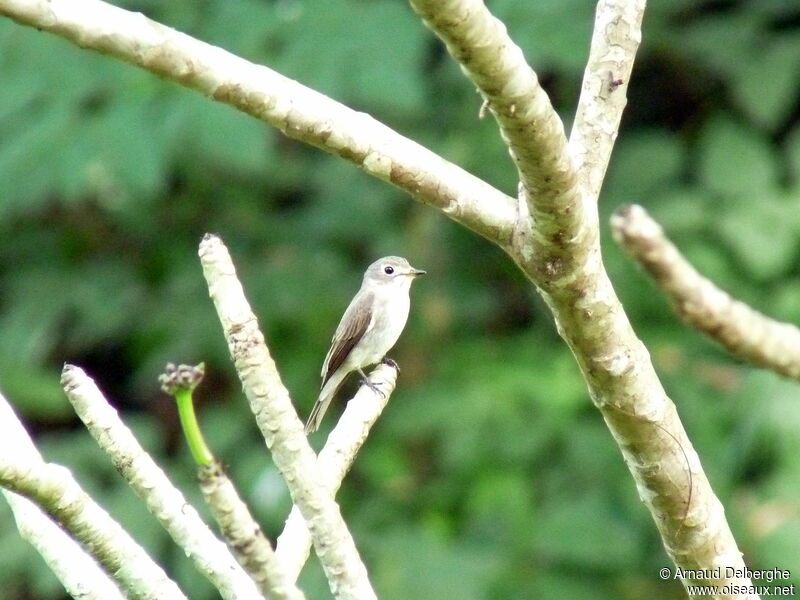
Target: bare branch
x,y
81,576
281,428
557,246
616,37
296,110
745,333
529,125
163,500
552,235
335,460
55,491
243,534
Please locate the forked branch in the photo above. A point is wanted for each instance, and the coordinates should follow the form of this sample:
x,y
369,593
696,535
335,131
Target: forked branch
x,y
282,430
335,460
529,125
557,247
552,233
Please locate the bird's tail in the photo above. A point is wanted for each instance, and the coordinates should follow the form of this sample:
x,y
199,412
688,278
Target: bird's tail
x,y
324,400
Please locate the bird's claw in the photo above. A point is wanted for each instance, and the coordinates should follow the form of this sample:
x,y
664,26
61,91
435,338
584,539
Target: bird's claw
x,y
365,380
391,362
374,387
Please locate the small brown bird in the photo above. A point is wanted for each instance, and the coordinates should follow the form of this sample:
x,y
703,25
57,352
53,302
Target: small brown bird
x,y
369,328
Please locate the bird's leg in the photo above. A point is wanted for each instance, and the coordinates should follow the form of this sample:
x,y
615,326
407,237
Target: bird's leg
x,y
365,380
390,361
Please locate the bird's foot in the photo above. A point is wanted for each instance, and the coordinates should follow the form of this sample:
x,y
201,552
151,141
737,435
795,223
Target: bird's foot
x,y
391,362
365,380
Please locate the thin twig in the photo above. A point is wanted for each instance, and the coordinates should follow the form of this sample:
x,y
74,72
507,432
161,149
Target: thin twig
x,y
742,330
615,39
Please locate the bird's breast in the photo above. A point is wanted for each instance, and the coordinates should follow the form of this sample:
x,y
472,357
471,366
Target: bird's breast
x,y
388,320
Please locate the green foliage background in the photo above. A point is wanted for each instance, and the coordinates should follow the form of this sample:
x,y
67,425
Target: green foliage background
x,y
490,475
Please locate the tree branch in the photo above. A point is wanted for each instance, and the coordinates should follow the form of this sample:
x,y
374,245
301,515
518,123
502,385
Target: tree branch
x,y
81,576
335,460
616,37
743,331
54,490
243,534
164,501
558,249
530,127
557,246
281,428
299,112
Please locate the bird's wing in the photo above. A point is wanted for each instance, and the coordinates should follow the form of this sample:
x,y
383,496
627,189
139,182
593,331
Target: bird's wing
x,y
354,324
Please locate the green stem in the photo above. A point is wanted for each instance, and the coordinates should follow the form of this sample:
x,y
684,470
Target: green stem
x,y
191,429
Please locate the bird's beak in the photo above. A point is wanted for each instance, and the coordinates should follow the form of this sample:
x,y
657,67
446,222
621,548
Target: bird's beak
x,y
416,272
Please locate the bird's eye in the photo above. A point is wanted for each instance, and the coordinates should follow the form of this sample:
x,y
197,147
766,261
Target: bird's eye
x,y
388,270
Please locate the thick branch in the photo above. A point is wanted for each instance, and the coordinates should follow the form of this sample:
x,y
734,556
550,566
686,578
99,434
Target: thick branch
x,y
296,110
557,246
335,460
54,490
744,332
529,125
281,428
616,37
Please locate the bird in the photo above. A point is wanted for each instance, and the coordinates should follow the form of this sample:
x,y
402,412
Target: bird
x,y
369,328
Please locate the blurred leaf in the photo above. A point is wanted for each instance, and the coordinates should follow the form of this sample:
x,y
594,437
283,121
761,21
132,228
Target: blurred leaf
x,y
501,504
35,392
628,182
219,134
762,235
793,155
781,549
553,33
25,171
705,36
414,563
24,557
581,531
563,585
682,210
375,64
126,153
735,160
785,303
764,86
